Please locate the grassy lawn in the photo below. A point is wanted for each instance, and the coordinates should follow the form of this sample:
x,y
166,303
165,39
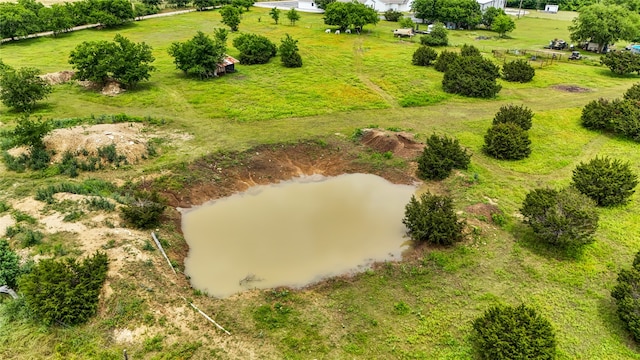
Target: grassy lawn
x,y
416,309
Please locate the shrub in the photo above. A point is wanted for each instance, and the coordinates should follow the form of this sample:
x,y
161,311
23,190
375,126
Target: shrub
x,y
625,118
633,93
392,15
507,141
445,58
519,115
472,76
518,71
30,132
145,211
596,115
627,296
439,36
506,333
432,219
254,49
441,155
607,181
289,52
199,56
565,218
469,50
424,56
406,23
9,265
621,62
65,292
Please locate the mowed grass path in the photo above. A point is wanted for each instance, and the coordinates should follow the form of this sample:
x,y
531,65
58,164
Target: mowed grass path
x,y
350,82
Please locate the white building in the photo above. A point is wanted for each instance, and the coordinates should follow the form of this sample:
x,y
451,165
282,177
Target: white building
x,y
485,4
551,8
384,5
398,5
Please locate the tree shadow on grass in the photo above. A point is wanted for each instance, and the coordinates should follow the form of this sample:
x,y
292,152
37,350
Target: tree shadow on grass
x,y
527,239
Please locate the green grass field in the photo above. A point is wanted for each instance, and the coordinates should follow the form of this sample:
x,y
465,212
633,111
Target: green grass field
x,y
418,309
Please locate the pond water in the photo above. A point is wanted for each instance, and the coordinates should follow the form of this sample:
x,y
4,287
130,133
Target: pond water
x,y
294,233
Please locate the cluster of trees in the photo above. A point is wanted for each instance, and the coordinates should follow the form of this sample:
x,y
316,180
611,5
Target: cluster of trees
x,y
350,15
572,5
627,297
568,218
462,13
293,15
618,116
28,16
121,60
605,24
508,137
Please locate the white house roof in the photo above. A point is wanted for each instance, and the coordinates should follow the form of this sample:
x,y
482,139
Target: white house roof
x,y
484,1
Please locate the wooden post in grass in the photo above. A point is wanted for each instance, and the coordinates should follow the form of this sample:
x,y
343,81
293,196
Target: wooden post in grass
x,y
153,235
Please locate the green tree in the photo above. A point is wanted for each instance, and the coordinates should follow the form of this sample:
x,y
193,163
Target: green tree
x,y
231,16
293,16
131,62
621,62
596,115
445,58
464,13
406,23
254,49
199,56
350,14
565,218
179,3
440,156
289,52
506,333
203,4
518,71
16,20
392,15
424,56
9,265
21,89
627,297
426,10
503,24
605,24
519,115
112,13
472,76
246,4
30,132
607,181
439,36
56,18
507,141
490,14
122,60
469,50
432,219
322,4
275,14
633,93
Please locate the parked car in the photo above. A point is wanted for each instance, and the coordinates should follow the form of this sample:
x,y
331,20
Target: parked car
x,y
575,55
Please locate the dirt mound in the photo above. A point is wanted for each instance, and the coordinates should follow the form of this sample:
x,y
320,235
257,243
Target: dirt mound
x,y
127,138
571,88
112,88
484,210
59,77
401,144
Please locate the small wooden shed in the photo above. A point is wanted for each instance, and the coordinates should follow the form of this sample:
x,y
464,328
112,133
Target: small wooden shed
x,y
228,65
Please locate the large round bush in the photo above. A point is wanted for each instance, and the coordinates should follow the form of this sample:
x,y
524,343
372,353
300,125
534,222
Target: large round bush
x,y
627,296
596,115
144,211
518,71
254,49
424,56
472,76
519,115
633,93
566,218
432,219
607,181
513,333
445,58
441,155
507,141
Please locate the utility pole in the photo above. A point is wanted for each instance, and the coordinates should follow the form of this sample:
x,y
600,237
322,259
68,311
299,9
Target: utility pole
x,y
519,8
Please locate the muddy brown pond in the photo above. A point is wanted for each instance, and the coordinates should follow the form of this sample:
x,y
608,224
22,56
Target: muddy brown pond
x,y
294,233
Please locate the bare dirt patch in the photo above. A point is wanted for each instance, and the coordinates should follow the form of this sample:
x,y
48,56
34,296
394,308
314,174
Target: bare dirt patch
x,y
571,88
127,138
483,210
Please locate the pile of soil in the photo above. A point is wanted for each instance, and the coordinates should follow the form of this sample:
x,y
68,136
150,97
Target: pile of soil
x,y
59,77
401,144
